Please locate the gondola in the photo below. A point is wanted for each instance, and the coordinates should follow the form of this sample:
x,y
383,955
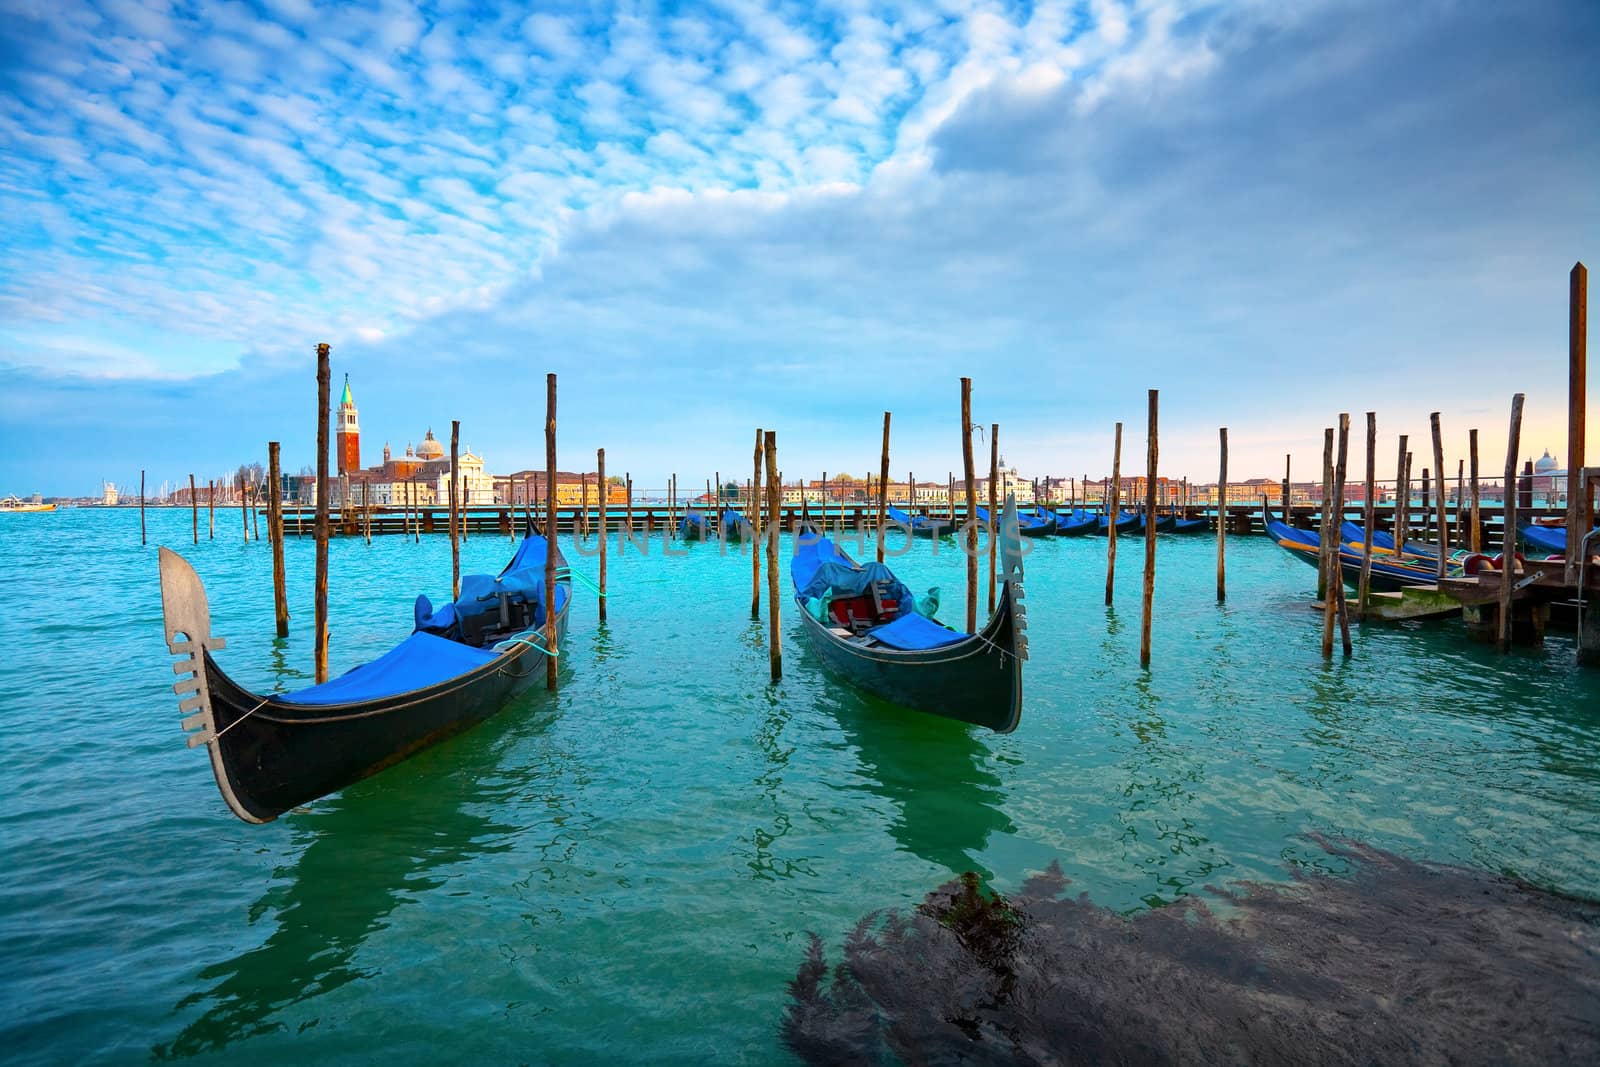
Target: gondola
x,y
1163,524
863,622
1355,534
1388,574
1074,523
460,665
696,526
1027,525
1191,526
1127,522
921,525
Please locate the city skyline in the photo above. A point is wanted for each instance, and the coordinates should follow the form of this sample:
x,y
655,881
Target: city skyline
x,y
791,217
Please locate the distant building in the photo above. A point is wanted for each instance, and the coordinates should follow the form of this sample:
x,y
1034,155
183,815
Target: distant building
x,y
347,433
108,495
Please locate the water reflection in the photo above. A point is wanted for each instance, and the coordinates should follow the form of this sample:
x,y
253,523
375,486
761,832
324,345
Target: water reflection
x,y
1164,784
934,771
362,854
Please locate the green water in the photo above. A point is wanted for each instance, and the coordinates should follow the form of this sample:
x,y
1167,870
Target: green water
x,y
628,870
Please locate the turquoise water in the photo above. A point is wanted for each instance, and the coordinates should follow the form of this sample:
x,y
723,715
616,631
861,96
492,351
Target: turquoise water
x,y
629,869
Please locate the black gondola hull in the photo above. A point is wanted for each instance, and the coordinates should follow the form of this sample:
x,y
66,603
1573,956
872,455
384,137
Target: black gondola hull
x,y
976,681
283,755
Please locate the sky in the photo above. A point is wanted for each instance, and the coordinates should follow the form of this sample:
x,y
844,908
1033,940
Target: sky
x,y
710,217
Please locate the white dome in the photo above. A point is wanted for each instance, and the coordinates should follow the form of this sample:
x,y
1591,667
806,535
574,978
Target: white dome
x,y
1545,463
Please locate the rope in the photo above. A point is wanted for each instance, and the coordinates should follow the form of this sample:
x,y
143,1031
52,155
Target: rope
x,y
521,640
240,719
584,578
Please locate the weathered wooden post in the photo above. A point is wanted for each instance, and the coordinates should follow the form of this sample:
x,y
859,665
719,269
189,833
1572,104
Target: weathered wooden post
x,y
1335,604
244,510
1287,520
994,476
1401,489
584,477
1577,378
1461,498
255,511
366,509
143,537
627,503
455,512
1427,505
194,510
320,645
1509,551
950,498
971,540
1150,499
550,634
604,490
280,592
1326,549
211,508
755,527
883,489
1369,516
775,525
1438,466
1113,513
1475,540
1222,518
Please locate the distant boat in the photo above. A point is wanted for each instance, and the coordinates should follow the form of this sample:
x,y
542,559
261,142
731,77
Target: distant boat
x,y
698,526
1027,525
15,504
1388,574
1075,522
1548,539
460,666
864,624
1127,521
921,525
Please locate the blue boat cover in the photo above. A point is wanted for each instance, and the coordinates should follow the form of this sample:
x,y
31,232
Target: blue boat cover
x,y
1545,538
530,555
692,520
916,522
1026,522
732,521
912,633
523,577
819,568
417,662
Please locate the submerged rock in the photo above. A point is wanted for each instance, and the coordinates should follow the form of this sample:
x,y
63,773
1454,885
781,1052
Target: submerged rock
x,y
1397,962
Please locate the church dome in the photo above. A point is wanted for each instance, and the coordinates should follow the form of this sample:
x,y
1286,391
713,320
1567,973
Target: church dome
x,y
1545,463
430,448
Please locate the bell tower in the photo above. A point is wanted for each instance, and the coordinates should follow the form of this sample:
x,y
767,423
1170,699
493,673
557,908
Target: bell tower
x,y
347,433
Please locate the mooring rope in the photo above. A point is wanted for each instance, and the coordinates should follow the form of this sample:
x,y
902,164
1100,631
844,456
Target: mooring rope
x,y
218,735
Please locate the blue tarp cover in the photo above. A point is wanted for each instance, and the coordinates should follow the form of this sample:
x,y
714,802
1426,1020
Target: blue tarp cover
x,y
731,521
1023,521
911,633
1545,538
819,568
917,522
419,661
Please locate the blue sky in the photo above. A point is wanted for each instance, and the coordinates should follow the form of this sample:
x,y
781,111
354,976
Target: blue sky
x,y
715,216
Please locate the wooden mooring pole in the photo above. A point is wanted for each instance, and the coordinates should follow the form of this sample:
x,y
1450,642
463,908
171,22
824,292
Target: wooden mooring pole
x,y
1325,547
1114,496
320,642
455,511
280,592
1508,558
605,493
1336,570
1578,517
194,510
211,509
1440,522
1287,521
1475,531
883,489
244,511
1222,518
550,635
1148,606
144,538
1369,515
774,506
1402,498
990,526
971,538
755,527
